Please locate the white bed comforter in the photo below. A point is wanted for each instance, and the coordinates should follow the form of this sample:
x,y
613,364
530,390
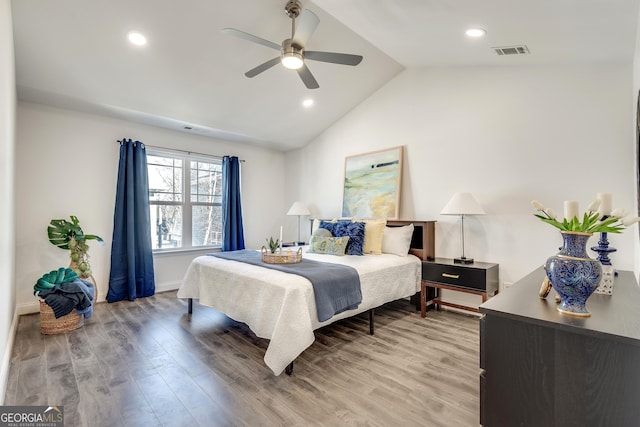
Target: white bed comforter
x,y
281,306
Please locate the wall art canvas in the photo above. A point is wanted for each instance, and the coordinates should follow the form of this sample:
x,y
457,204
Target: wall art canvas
x,y
372,184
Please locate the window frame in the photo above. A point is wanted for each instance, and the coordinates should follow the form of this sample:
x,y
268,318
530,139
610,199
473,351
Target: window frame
x,y
186,204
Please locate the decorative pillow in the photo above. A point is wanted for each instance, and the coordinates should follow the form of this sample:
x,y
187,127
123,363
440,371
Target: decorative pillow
x,y
355,232
329,225
373,235
322,232
397,240
315,225
328,245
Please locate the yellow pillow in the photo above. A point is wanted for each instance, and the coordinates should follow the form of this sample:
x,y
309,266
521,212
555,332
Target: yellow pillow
x,y
373,234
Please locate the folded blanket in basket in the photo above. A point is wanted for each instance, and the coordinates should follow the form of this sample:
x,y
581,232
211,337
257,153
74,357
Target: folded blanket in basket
x,y
336,287
64,297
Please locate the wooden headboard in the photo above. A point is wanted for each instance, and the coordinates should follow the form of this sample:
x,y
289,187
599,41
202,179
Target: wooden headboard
x,y
423,241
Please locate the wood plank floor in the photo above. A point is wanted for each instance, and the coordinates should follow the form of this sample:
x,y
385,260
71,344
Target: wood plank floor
x,y
147,363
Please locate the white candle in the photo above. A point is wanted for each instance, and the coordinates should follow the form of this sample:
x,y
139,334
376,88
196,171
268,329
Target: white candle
x,y
606,204
570,209
280,239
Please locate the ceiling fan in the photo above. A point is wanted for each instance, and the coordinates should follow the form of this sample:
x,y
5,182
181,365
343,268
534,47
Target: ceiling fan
x,y
292,51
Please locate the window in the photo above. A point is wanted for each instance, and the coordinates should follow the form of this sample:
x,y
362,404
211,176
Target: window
x,y
185,197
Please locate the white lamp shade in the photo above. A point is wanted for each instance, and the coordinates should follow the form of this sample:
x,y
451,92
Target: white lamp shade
x,y
298,208
462,204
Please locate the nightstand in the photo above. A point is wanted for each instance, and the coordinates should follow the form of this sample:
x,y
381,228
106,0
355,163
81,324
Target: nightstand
x,y
479,278
292,244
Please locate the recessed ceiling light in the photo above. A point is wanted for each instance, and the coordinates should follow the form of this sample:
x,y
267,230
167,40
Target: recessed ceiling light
x,y
307,103
476,32
136,38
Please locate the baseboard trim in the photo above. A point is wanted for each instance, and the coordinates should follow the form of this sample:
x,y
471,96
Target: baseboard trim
x,y
169,286
28,307
6,359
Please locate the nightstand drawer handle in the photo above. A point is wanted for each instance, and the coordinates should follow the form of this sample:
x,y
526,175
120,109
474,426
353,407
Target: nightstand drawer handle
x,y
451,276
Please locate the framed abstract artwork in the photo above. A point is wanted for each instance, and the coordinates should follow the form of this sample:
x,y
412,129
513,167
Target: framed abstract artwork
x,y
372,184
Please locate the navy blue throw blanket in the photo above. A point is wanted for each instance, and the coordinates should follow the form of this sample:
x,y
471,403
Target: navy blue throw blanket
x,y
336,287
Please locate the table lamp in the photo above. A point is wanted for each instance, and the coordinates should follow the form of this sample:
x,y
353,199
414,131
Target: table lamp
x,y
462,204
299,209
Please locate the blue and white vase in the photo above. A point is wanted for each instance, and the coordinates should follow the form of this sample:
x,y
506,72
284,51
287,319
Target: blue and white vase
x,y
573,274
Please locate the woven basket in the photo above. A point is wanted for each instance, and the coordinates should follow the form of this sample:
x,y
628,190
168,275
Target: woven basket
x,y
286,257
49,325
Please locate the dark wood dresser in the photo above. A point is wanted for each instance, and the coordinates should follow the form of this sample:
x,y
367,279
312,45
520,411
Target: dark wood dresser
x,y
543,368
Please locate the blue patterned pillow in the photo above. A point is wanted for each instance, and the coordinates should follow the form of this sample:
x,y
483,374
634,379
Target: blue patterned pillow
x,y
328,245
355,232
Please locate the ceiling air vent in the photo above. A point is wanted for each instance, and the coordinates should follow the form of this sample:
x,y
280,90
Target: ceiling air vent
x,y
512,50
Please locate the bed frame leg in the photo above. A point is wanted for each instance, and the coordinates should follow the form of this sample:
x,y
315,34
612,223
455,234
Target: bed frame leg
x,y
289,369
190,305
371,325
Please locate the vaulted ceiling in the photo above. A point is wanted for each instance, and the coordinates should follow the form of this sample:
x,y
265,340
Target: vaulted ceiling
x,y
74,54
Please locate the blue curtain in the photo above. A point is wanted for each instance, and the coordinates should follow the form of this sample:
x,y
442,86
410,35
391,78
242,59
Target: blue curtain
x,y
232,233
131,273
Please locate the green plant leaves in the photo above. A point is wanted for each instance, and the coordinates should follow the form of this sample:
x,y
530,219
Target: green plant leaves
x,y
273,244
590,224
61,231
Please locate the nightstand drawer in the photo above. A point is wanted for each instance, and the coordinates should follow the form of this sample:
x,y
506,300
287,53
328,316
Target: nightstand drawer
x,y
462,277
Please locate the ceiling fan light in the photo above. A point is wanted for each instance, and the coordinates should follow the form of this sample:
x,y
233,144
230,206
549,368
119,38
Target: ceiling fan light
x,y
292,60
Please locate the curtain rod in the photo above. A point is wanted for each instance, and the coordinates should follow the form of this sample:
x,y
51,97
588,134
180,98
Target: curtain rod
x,y
182,151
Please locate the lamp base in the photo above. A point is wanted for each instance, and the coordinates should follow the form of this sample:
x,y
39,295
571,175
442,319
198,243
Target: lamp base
x,y
463,260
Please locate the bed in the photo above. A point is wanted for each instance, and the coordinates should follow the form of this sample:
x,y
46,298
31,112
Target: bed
x,y
281,307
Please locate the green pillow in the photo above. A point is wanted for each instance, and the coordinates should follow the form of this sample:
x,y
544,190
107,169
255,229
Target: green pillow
x,y
328,245
322,232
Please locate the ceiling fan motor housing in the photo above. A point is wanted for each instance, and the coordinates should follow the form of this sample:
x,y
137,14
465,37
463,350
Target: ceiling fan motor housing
x,y
291,55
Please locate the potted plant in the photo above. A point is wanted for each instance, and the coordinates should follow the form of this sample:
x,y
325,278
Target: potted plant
x,y
273,244
572,273
69,235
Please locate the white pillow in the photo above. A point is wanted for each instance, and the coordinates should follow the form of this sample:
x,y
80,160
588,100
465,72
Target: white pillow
x,y
397,240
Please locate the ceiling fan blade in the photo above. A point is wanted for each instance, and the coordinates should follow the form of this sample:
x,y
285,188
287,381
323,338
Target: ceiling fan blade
x,y
333,57
307,24
250,37
262,67
307,78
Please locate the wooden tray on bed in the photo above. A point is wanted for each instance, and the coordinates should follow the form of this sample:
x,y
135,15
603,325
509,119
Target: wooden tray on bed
x,y
283,257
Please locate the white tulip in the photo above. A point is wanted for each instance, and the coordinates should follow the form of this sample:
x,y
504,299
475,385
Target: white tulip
x,y
593,207
537,205
619,213
630,221
550,213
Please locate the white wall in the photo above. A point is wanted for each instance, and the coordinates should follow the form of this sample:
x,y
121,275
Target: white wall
x,y
7,219
507,135
633,124
67,165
